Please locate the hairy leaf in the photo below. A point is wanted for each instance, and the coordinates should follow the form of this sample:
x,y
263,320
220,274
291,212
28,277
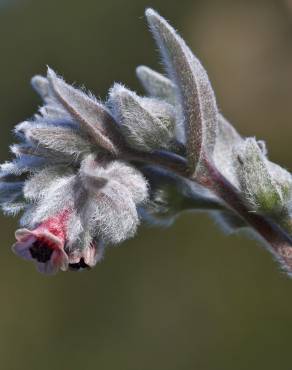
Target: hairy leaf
x,y
91,114
156,85
193,88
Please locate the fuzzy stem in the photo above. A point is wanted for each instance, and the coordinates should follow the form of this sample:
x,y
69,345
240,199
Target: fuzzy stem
x,y
168,160
279,241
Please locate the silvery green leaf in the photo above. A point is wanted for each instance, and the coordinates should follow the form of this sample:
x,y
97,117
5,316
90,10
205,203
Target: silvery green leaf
x,y
160,87
282,178
95,177
111,214
156,85
131,178
12,208
23,164
52,109
52,113
23,128
36,186
91,114
79,235
59,195
227,139
146,124
193,88
11,197
259,188
57,142
10,191
106,199
161,110
41,86
262,145
60,139
46,156
92,176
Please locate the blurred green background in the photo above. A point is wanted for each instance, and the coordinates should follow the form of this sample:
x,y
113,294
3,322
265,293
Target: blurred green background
x,y
187,297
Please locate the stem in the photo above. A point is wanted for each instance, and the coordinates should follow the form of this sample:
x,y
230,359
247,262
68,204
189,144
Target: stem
x,y
173,162
279,241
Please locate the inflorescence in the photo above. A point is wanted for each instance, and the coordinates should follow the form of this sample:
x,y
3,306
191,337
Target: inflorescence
x,y
87,172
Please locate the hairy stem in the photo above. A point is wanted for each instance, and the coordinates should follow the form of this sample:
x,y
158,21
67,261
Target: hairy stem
x,y
168,160
278,240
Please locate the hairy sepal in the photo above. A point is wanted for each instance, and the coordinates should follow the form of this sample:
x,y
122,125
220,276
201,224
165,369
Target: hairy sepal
x,y
259,189
106,201
147,124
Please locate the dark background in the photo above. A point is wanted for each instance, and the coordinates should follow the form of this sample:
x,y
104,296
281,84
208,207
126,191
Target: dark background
x,y
183,298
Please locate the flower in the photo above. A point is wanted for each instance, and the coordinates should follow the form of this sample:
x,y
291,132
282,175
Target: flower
x,y
67,160
45,244
86,258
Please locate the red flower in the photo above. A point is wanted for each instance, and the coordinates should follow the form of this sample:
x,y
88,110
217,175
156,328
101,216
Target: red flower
x,y
45,244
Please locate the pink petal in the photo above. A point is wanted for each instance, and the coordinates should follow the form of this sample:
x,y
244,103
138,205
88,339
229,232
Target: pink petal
x,y
22,250
22,234
93,254
58,261
46,268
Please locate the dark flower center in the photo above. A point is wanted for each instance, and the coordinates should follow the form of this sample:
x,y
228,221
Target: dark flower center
x,y
80,265
41,251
